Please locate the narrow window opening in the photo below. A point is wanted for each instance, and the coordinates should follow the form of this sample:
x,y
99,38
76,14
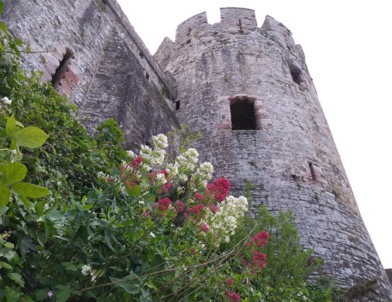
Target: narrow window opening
x,y
63,67
243,115
178,105
240,25
147,76
312,172
141,54
296,74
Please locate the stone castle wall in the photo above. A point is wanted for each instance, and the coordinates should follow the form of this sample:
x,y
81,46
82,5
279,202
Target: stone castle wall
x,y
289,155
92,54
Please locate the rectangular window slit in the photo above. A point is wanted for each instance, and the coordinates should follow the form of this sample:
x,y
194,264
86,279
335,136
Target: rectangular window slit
x,y
178,105
312,172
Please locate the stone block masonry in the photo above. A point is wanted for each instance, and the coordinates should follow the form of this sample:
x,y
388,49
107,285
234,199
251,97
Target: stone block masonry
x,y
91,53
247,88
234,72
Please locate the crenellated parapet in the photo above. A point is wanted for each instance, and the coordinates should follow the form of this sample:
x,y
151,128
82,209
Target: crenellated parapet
x,y
233,20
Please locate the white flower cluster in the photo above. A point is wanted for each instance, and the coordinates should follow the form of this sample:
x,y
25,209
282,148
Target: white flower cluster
x,y
160,141
6,101
160,179
202,175
88,271
5,105
154,157
223,223
184,165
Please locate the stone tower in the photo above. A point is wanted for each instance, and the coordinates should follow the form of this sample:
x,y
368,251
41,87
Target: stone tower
x,y
248,90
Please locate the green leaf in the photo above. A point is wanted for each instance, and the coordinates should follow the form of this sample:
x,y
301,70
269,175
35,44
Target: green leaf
x,y
135,191
39,208
5,265
25,245
18,42
12,173
1,6
10,126
17,278
69,266
64,294
11,295
9,245
30,190
5,195
53,214
31,137
3,27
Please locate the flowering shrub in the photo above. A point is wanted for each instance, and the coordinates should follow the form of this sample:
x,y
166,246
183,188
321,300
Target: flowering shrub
x,y
155,229
182,191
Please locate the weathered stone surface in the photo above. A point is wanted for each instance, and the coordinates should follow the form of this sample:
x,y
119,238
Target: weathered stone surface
x,y
289,156
286,149
106,74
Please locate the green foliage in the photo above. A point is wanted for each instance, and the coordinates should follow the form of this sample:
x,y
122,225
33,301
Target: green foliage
x,y
12,172
70,159
123,236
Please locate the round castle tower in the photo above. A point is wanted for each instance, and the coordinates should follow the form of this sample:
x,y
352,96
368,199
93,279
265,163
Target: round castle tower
x,y
248,90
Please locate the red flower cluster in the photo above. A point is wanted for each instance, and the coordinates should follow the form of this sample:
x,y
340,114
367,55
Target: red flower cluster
x,y
234,297
136,162
165,188
260,239
164,204
196,209
180,206
219,189
199,197
229,282
214,208
128,173
258,259
204,227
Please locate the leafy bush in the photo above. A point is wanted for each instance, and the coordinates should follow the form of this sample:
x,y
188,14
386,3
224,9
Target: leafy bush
x,y
118,226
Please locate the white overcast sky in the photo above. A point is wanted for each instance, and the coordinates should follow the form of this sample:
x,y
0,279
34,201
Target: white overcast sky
x,y
348,49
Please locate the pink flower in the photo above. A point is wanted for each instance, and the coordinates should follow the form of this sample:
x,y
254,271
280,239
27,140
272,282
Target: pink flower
x,y
199,197
164,204
234,297
222,184
260,239
204,227
258,259
136,162
166,187
50,294
229,282
195,209
213,207
164,172
180,206
219,189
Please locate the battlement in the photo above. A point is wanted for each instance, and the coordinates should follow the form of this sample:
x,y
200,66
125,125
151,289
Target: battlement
x,y
241,19
233,20
197,22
